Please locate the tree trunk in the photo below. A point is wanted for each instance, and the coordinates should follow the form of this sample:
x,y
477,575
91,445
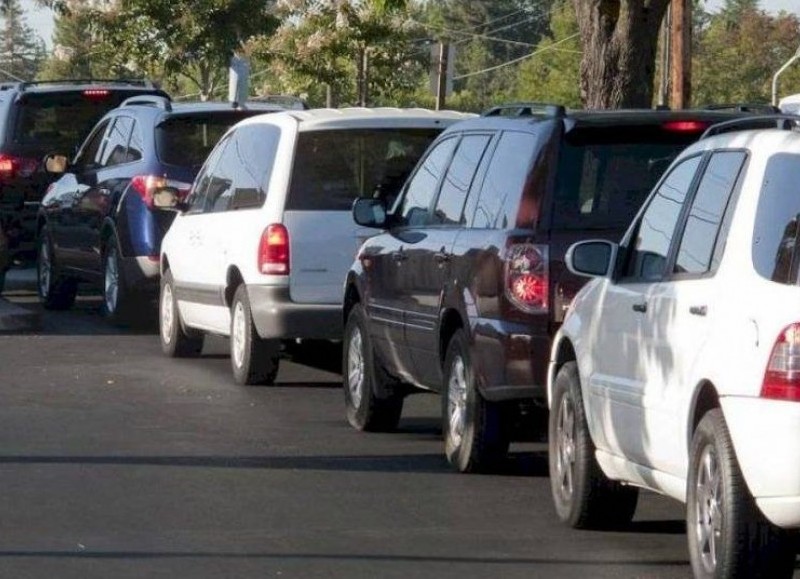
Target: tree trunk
x,y
619,40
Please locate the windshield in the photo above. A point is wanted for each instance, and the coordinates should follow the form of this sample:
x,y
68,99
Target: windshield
x,y
605,174
187,139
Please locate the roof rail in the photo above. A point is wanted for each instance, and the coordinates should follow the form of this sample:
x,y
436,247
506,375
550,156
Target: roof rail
x,y
760,108
525,109
144,83
153,100
285,100
783,122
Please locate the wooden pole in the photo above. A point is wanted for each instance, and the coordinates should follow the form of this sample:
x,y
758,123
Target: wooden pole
x,y
441,76
681,48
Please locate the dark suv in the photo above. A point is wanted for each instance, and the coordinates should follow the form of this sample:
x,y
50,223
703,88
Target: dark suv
x,y
37,118
464,290
102,222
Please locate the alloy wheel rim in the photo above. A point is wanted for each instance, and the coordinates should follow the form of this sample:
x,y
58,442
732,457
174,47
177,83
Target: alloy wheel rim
x,y
44,270
167,314
111,292
708,508
238,334
565,449
355,367
457,401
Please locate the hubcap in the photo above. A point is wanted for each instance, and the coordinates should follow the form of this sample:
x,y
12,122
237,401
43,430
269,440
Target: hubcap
x,y
708,508
44,270
167,313
565,449
111,281
238,334
457,401
355,367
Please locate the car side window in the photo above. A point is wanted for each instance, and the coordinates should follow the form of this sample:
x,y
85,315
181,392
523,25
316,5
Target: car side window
x,y
89,155
419,193
458,180
696,253
222,176
115,149
647,257
136,144
255,146
197,198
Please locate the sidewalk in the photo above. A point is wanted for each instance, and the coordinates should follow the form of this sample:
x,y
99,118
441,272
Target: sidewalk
x,y
14,318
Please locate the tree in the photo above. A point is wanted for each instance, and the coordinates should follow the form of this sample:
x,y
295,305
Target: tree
x,y
21,51
619,40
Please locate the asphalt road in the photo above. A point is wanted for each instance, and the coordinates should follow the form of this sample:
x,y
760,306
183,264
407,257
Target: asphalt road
x,y
118,462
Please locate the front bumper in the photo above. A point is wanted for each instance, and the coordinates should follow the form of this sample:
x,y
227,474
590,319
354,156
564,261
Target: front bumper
x,y
275,315
766,439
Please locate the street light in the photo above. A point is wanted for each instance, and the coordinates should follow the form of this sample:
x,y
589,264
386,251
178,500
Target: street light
x,y
780,72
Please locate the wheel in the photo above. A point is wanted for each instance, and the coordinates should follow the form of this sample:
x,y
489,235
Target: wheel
x,y
55,292
371,401
475,438
584,497
119,304
728,536
176,341
254,361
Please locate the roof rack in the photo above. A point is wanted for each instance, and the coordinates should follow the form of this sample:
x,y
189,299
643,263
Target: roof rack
x,y
525,109
285,100
760,108
783,122
144,83
153,100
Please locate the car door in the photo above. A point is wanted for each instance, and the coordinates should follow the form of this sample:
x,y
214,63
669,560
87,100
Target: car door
x,y
623,351
390,297
683,313
431,260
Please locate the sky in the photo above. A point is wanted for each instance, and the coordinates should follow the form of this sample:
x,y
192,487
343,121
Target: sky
x,y
41,19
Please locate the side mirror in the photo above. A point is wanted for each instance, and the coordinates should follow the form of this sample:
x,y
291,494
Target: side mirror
x,y
593,258
56,164
370,213
167,198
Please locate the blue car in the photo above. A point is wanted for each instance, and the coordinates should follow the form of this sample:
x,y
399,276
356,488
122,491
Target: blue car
x,y
100,224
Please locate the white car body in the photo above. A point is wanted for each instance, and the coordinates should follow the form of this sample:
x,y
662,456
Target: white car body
x,y
642,373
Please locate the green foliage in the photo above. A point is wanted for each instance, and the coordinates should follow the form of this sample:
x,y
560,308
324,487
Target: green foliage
x,y
21,51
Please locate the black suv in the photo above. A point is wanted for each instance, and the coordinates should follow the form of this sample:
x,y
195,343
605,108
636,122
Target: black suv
x,y
463,291
103,220
37,118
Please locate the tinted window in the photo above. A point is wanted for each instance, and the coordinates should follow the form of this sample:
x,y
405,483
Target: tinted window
x,y
419,194
705,216
503,186
90,153
187,139
254,147
333,168
605,174
775,235
136,144
648,256
221,178
197,197
457,181
115,148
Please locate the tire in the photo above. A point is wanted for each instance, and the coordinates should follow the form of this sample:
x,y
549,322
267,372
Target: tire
x,y
2,280
253,360
176,341
371,401
119,304
583,496
475,437
728,536
55,291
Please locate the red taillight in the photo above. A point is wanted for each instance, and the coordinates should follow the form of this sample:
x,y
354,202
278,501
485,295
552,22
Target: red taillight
x,y
782,378
12,166
527,278
685,126
273,251
96,94
147,185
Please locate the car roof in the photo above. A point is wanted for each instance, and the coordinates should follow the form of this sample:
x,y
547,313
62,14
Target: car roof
x,y
165,106
366,117
66,85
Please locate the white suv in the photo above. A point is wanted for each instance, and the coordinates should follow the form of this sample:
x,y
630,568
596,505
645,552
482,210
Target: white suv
x,y
260,250
677,368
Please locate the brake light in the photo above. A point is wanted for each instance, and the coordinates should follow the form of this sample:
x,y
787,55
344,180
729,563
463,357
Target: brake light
x,y
782,378
147,186
685,126
273,250
12,166
527,279
96,94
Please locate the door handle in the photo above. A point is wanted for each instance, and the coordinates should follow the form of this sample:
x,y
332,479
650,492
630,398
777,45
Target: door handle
x,y
441,257
640,307
698,310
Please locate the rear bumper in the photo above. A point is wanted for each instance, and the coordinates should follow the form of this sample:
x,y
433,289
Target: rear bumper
x,y
141,273
275,315
510,360
766,439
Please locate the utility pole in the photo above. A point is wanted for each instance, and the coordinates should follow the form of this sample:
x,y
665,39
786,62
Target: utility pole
x,y
681,50
663,84
441,76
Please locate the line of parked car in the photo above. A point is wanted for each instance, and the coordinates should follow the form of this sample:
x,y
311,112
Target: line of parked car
x,y
448,252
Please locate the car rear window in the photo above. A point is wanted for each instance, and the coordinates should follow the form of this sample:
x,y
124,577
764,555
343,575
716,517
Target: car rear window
x,y
605,173
187,139
333,168
60,121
